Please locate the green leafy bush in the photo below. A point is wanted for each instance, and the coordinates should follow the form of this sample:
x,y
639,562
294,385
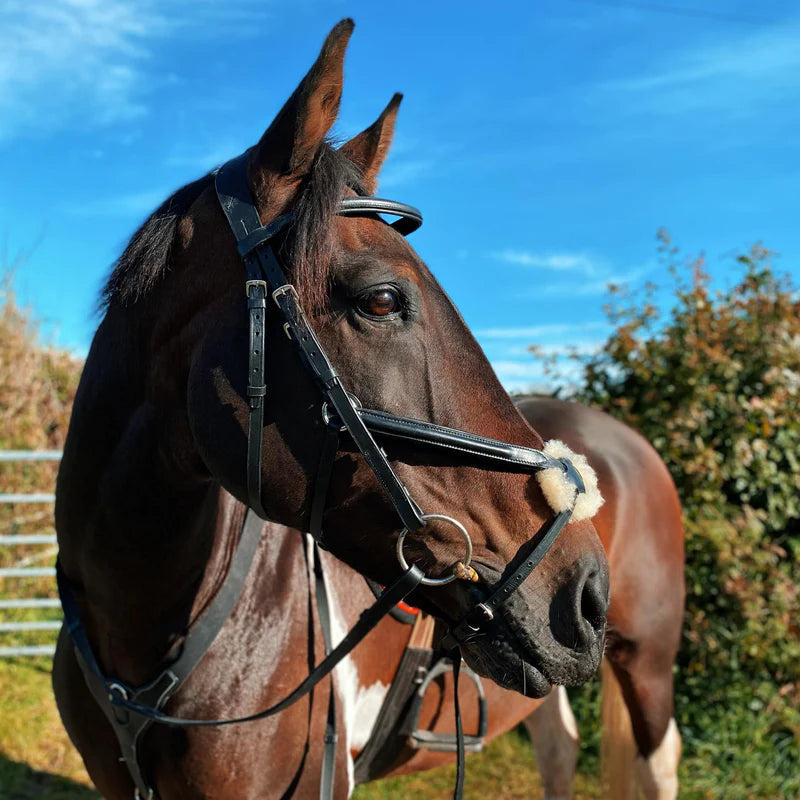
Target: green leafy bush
x,y
714,384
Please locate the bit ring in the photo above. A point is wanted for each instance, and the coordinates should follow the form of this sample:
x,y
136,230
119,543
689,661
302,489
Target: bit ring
x,y
448,578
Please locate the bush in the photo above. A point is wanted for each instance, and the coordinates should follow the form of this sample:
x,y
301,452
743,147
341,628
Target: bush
x,y
37,387
714,384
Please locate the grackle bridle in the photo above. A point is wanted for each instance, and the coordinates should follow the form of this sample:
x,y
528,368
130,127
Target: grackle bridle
x,y
132,710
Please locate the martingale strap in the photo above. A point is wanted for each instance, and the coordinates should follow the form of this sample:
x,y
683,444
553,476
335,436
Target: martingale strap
x,y
398,591
130,727
131,711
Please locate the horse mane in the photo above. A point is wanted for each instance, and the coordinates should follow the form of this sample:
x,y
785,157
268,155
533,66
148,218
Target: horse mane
x,y
146,258
306,250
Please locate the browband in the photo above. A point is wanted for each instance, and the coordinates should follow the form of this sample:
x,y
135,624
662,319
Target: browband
x,y
409,219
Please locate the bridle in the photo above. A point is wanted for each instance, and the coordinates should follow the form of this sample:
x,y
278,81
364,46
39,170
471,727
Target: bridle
x,y
130,710
341,411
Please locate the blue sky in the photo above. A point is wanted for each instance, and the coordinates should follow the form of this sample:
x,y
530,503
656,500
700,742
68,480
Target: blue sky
x,y
544,142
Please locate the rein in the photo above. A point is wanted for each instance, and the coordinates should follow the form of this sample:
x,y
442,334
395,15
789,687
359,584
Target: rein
x,y
132,711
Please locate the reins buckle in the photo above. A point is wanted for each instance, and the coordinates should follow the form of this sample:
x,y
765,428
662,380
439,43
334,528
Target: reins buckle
x,y
287,288
249,285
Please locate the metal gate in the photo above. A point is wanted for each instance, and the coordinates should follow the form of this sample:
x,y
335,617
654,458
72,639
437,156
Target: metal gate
x,y
32,609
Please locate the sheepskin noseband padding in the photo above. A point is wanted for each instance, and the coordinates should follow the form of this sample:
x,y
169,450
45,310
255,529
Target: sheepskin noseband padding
x,y
560,492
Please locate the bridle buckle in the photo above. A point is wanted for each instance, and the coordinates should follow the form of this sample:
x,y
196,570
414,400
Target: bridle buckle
x,y
249,285
287,288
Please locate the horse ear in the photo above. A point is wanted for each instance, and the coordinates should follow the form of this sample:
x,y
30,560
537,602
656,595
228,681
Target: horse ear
x,y
369,149
290,143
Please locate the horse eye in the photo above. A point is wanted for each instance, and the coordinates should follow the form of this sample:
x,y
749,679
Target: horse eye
x,y
379,303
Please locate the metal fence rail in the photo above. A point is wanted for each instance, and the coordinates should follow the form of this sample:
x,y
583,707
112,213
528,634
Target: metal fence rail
x,y
11,603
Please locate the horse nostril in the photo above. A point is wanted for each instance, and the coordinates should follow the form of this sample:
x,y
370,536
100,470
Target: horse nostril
x,y
594,602
578,610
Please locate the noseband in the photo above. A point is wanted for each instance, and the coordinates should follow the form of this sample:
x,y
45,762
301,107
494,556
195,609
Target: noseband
x,y
130,710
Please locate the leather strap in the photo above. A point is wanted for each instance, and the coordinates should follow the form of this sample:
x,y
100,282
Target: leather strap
x,y
328,773
458,791
466,444
399,590
256,392
410,217
237,205
398,613
128,725
327,459
527,559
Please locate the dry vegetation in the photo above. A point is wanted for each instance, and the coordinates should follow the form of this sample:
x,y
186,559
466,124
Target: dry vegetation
x,y
37,386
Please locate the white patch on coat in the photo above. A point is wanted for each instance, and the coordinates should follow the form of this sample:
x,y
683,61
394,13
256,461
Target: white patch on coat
x,y
658,773
359,705
565,715
554,734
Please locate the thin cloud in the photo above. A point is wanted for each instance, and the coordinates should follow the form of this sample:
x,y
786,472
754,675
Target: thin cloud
x,y
534,332
740,76
127,204
558,261
77,59
407,165
404,171
528,376
87,61
599,286
205,160
517,369
578,348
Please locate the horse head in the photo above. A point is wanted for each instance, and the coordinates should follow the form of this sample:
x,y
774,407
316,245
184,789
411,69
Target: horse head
x,y
399,345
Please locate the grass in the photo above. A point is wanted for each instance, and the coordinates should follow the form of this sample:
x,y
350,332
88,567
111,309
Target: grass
x,y
38,761
505,770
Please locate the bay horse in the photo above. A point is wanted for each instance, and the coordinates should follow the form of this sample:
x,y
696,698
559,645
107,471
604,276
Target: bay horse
x,y
641,528
186,415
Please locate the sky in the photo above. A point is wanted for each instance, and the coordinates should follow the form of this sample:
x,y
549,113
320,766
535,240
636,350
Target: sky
x,y
545,142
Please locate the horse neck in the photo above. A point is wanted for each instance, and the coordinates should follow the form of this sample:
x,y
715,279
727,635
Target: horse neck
x,y
144,534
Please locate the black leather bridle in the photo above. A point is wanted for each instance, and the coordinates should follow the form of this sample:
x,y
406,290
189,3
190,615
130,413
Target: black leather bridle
x,y
132,710
341,411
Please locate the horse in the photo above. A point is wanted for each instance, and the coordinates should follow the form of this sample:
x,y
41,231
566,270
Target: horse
x,y
202,412
641,528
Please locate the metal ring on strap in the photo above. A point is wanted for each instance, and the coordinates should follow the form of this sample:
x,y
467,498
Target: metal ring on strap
x,y
330,417
448,578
